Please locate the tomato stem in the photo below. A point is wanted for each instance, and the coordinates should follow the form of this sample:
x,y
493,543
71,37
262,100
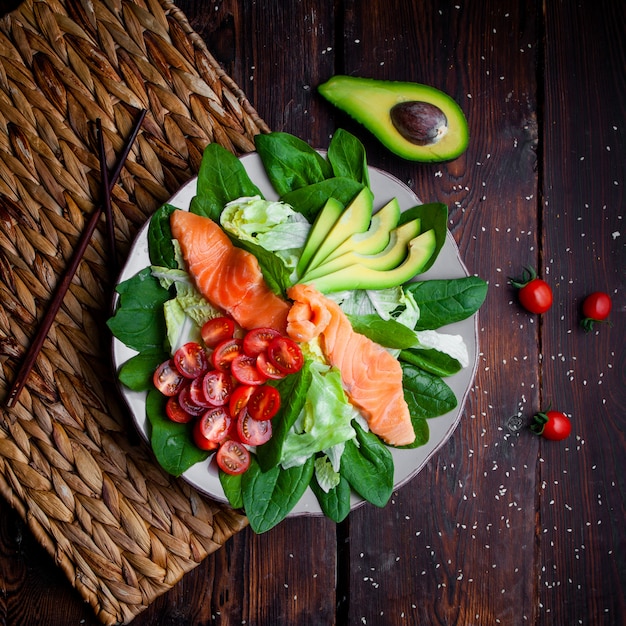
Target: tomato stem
x,y
529,274
540,419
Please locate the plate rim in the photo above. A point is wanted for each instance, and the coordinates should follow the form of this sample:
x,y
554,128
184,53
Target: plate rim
x,y
356,502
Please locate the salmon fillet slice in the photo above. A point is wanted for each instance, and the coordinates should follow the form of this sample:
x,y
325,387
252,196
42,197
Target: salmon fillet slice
x,y
228,277
371,376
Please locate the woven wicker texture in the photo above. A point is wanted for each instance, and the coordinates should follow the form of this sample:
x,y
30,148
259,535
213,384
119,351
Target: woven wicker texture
x,y
71,462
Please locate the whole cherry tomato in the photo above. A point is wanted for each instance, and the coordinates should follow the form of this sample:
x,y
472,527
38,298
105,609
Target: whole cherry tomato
x,y
534,294
596,308
552,425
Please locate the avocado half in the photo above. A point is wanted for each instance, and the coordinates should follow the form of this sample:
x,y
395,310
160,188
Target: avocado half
x,y
414,121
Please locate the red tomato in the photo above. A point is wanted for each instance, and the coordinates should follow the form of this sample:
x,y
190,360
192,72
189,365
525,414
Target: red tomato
x,y
217,387
267,369
596,308
535,295
167,379
285,354
216,330
239,399
253,432
187,404
225,352
257,340
191,360
552,425
264,403
196,392
244,369
213,427
233,457
175,412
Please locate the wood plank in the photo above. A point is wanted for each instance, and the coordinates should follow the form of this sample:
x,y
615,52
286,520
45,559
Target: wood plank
x,y
582,543
456,545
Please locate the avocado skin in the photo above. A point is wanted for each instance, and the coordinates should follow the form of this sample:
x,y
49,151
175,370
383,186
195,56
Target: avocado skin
x,y
369,101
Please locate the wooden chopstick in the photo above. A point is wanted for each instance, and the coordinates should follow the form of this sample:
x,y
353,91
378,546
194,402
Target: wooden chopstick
x,y
108,209
63,286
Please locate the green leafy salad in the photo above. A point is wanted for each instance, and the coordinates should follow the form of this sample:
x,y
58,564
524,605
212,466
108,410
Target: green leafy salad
x,y
319,438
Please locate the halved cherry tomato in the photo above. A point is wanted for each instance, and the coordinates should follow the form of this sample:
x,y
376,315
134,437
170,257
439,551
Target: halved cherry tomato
x,y
233,457
257,340
191,360
285,355
253,432
266,368
244,369
175,412
196,392
264,403
239,399
225,352
187,404
216,330
167,379
212,426
217,387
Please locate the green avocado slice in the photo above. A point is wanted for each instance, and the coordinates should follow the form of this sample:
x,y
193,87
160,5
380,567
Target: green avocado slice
x,y
354,219
393,254
376,237
326,219
414,121
358,276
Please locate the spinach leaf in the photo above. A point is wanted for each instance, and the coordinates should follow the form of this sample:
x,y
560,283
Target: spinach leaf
x,y
389,333
171,442
309,200
268,497
446,301
346,154
290,163
222,178
433,361
335,503
160,238
274,271
435,216
137,372
138,321
422,431
231,484
368,467
427,395
293,390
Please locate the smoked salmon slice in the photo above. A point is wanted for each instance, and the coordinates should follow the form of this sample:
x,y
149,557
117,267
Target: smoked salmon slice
x,y
228,277
371,376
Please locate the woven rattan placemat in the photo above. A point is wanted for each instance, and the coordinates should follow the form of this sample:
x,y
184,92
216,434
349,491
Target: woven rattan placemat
x,y
70,461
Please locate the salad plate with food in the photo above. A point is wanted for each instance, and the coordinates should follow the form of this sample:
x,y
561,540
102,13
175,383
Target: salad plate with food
x,y
294,332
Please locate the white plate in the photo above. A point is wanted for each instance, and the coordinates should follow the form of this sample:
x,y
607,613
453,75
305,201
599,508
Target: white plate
x,y
204,476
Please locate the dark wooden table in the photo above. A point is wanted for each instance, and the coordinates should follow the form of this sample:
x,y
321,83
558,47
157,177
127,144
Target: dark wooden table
x,y
498,528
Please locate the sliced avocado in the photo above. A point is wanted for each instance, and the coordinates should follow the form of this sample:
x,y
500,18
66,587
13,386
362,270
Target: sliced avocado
x,y
376,237
324,221
359,277
414,121
393,254
355,219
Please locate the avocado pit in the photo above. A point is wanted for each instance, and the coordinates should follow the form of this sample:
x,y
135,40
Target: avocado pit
x,y
421,123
